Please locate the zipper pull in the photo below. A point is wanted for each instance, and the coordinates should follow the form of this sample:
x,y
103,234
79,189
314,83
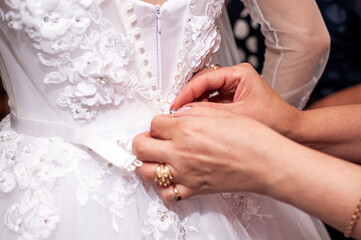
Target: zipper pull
x,y
157,12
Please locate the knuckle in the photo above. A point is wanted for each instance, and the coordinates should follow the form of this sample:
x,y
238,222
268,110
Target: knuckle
x,y
155,121
246,68
136,140
246,65
157,124
139,149
187,129
149,174
154,125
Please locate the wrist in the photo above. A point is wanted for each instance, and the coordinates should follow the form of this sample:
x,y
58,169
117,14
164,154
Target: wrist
x,y
292,120
275,176
282,179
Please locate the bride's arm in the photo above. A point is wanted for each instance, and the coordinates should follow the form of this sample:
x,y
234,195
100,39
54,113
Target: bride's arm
x,y
297,44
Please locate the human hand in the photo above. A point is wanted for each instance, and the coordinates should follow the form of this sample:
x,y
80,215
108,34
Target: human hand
x,y
208,151
211,151
240,90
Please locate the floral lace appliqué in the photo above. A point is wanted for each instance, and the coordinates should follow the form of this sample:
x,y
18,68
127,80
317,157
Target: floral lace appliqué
x,y
200,41
163,222
93,176
33,169
83,49
8,146
243,208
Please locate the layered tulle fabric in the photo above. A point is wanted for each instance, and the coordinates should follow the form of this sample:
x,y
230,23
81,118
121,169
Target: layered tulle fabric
x,y
53,189
83,78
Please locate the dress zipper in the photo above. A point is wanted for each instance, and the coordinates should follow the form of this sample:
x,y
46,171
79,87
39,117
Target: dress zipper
x,y
159,30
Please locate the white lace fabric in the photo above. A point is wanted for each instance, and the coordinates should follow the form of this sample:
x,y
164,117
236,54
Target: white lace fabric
x,y
85,76
297,46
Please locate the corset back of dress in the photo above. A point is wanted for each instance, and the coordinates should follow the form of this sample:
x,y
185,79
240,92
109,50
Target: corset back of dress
x,y
80,78
100,65
98,57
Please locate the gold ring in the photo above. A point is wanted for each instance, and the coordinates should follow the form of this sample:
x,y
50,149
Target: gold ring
x,y
215,66
176,197
163,176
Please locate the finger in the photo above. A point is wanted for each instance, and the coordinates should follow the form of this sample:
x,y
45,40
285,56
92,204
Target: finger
x,y
148,149
147,172
205,109
200,72
204,97
163,127
207,81
167,193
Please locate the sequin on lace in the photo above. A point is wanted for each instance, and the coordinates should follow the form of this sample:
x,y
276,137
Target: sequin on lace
x,y
163,222
201,40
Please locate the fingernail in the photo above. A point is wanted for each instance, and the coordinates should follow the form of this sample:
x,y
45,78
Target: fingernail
x,y
183,109
172,111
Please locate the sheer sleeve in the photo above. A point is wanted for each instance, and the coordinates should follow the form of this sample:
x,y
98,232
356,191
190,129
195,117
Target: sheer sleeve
x,y
297,45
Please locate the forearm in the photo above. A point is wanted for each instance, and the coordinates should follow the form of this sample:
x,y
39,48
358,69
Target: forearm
x,y
351,95
324,186
333,130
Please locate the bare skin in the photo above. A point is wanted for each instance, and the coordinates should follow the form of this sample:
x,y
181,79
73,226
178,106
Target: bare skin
x,y
211,151
214,141
351,95
333,130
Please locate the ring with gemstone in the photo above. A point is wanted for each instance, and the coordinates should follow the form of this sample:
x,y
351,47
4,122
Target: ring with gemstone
x,y
176,197
163,175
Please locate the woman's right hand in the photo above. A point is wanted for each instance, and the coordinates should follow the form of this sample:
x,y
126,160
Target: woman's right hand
x,y
210,151
240,90
213,151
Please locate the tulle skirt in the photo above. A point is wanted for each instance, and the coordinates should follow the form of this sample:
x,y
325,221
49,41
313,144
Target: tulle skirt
x,y
51,189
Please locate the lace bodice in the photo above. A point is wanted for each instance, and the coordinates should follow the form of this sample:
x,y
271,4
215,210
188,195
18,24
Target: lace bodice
x,y
84,57
98,66
81,69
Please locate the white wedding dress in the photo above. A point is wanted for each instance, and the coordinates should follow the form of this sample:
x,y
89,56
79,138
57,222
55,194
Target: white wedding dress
x,y
84,77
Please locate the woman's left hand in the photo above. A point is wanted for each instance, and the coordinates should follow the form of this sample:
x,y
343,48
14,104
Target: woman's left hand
x,y
240,90
207,151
